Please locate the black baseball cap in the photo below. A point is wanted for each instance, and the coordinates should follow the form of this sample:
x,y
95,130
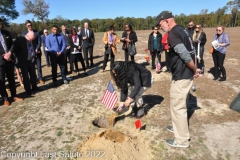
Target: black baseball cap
x,y
163,15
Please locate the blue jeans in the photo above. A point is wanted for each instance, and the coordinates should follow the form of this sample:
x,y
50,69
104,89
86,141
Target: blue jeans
x,y
60,60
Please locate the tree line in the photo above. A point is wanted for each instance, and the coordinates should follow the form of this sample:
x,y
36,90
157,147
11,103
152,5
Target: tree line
x,y
228,16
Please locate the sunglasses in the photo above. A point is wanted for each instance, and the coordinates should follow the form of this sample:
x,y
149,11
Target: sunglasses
x,y
155,29
197,27
29,25
218,30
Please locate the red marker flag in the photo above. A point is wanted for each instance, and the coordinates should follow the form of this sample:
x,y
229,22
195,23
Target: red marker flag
x,y
110,97
138,123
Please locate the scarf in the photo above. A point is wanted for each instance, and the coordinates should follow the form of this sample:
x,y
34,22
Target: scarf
x,y
75,38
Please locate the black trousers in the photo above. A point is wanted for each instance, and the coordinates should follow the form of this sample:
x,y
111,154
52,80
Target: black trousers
x,y
106,56
218,60
8,70
29,76
66,59
47,56
127,55
60,60
73,61
38,62
86,51
80,58
155,54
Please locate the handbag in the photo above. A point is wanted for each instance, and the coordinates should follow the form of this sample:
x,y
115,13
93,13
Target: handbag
x,y
108,50
158,67
211,50
131,49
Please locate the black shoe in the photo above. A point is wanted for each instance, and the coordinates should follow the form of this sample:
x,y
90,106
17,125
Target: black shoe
x,y
36,89
153,68
92,64
85,73
215,78
222,79
29,93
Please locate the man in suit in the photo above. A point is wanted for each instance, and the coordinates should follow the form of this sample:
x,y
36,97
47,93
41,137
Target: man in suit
x,y
43,39
79,30
67,50
24,49
88,38
6,66
37,43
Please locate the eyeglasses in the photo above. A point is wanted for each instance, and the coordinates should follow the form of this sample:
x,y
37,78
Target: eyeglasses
x,y
160,24
29,25
218,30
197,27
190,25
45,32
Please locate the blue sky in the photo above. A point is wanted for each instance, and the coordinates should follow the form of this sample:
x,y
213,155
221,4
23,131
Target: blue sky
x,y
76,9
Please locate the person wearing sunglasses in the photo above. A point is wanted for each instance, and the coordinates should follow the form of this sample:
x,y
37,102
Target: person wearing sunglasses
x,y
128,36
155,46
199,37
183,70
219,53
190,28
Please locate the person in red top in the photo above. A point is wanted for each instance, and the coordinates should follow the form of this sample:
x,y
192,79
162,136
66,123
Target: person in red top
x,y
166,47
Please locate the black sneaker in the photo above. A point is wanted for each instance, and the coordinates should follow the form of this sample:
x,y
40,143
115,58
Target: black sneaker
x,y
172,143
170,128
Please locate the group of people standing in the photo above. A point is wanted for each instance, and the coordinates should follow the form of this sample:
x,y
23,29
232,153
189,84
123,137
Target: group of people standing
x,y
25,53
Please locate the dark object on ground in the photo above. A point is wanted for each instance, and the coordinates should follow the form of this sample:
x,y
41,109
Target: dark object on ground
x,y
235,105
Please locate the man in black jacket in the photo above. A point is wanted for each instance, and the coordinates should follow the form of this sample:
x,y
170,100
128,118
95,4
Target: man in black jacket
x,y
24,49
88,41
6,66
183,70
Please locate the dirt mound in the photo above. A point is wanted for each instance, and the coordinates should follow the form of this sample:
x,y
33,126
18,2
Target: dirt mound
x,y
114,145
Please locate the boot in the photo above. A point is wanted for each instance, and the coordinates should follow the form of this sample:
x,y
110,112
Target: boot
x,y
223,78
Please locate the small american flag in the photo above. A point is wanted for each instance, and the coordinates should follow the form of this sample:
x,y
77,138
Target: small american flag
x,y
110,97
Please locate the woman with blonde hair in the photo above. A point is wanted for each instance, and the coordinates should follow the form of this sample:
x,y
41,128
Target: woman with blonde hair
x,y
222,41
199,39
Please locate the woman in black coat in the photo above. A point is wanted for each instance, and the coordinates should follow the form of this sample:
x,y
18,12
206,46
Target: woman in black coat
x,y
155,45
133,79
128,36
199,37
